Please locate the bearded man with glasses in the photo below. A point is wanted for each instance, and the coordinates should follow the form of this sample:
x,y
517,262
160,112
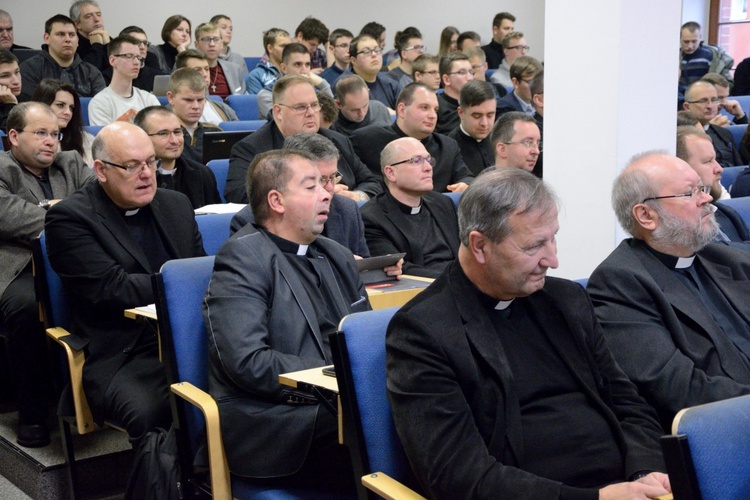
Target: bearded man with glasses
x,y
672,303
105,242
120,101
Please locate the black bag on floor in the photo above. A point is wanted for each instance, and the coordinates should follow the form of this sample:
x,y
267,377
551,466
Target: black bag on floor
x,y
156,470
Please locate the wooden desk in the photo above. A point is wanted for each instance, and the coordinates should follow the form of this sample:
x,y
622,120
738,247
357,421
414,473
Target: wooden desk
x,y
147,312
313,381
384,298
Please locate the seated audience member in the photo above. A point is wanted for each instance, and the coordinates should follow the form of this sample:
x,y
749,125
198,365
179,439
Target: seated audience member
x,y
702,100
502,24
338,45
176,36
468,39
729,105
313,34
187,98
409,216
426,70
513,387
10,84
226,30
150,67
175,171
33,176
296,110
93,37
344,224
59,60
514,46
479,64
277,292
63,99
409,45
697,58
448,41
476,111
7,40
356,110
741,185
366,58
376,31
329,113
671,303
536,86
295,60
523,70
517,142
455,71
213,112
416,116
267,72
120,101
105,241
742,78
226,78
688,119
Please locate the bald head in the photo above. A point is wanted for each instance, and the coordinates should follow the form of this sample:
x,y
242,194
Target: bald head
x,y
702,99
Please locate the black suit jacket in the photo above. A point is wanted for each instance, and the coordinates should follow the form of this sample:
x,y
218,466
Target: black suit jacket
x,y
507,104
477,155
384,229
662,336
453,398
450,168
344,224
196,181
448,119
104,271
727,152
268,137
732,225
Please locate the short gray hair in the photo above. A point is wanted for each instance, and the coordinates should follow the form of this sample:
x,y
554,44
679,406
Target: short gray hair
x,y
75,9
497,194
630,188
319,147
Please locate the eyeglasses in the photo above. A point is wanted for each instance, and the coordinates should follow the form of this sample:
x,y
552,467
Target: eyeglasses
x,y
342,45
152,165
416,160
419,48
166,134
301,109
334,178
130,57
692,194
528,143
524,48
368,52
210,39
478,67
43,134
464,72
706,100
144,43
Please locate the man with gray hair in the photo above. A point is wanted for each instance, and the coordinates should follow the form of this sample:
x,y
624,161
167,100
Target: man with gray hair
x,y
515,362
672,304
6,33
92,35
409,216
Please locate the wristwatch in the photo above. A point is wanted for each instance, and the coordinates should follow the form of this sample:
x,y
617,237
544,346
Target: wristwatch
x,y
45,204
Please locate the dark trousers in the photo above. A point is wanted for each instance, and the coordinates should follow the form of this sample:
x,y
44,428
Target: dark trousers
x,y
26,347
138,396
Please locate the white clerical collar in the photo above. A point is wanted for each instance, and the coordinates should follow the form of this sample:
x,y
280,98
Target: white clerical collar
x,y
503,304
302,250
416,210
128,213
684,262
461,126
167,172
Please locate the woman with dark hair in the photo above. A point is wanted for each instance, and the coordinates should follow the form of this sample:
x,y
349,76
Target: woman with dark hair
x,y
176,36
65,103
448,41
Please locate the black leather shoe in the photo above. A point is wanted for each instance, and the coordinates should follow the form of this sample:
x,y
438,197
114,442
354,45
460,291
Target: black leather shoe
x,y
32,435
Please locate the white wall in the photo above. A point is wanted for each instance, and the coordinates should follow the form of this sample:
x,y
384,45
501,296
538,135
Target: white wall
x,y
250,19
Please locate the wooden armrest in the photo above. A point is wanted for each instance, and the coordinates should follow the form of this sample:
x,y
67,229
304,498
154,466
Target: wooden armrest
x,y
217,460
76,359
389,488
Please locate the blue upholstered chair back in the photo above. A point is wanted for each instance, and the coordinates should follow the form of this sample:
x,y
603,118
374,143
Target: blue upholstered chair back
x,y
85,109
214,229
220,169
56,304
718,435
730,174
184,283
737,132
455,198
741,205
245,105
242,125
364,337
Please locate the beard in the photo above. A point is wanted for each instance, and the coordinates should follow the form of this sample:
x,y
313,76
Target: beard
x,y
691,235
